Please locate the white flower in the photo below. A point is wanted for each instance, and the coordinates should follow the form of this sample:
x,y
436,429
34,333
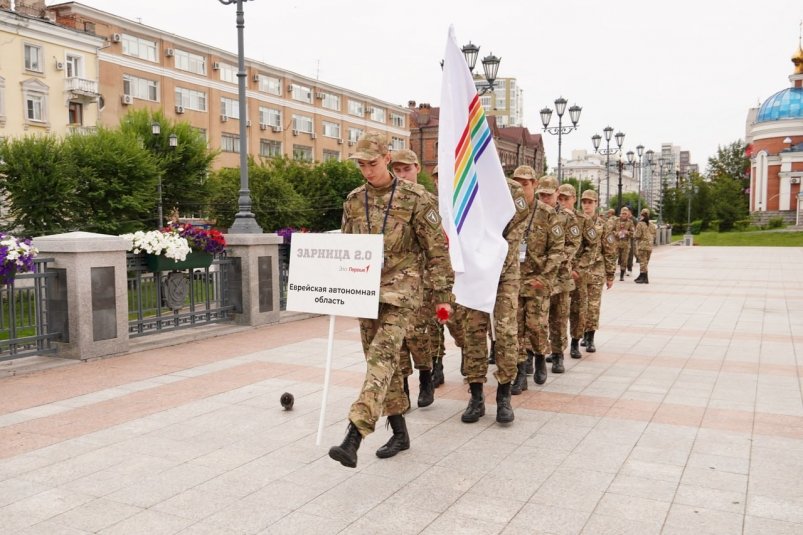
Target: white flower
x,y
156,242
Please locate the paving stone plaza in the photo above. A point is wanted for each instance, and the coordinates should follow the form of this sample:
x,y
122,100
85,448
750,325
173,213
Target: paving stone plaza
x,y
688,419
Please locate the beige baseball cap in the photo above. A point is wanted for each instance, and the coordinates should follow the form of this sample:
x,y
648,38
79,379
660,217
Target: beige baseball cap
x,y
370,147
405,156
566,189
435,171
590,194
524,171
547,184
645,211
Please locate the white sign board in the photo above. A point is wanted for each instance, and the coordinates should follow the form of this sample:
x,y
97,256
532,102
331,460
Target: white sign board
x,y
336,274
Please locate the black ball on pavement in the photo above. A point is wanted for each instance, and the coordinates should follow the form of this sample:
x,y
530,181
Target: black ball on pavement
x,y
287,401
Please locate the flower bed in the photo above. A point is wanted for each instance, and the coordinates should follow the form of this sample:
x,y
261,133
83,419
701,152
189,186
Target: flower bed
x,y
16,256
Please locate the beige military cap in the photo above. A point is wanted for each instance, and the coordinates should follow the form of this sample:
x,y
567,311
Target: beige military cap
x,y
590,194
645,211
524,171
566,189
435,171
547,184
405,156
370,147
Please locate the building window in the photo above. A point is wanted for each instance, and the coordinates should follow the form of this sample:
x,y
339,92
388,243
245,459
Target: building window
x,y
269,148
2,100
34,97
501,103
302,123
141,88
230,107
270,116
191,99
187,61
355,134
139,48
228,73
33,58
230,143
330,101
302,152
377,114
356,108
270,84
331,129
397,119
75,113
301,93
74,66
396,143
331,155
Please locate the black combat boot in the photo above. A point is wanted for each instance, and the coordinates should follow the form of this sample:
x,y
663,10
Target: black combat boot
x,y
492,354
540,369
520,384
399,441
557,363
529,368
426,392
646,279
549,358
590,344
407,393
575,349
504,411
476,405
621,274
585,339
437,372
346,453
639,278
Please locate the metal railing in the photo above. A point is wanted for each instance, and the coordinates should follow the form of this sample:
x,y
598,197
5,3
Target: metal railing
x,y
284,274
207,300
26,328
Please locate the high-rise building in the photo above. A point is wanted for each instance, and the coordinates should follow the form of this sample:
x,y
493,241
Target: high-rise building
x,y
505,102
591,167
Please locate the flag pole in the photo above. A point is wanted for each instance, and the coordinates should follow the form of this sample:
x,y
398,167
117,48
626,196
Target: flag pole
x,y
326,376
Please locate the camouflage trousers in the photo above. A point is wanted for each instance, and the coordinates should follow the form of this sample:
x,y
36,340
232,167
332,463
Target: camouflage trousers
x,y
643,255
533,325
455,325
558,319
475,338
578,310
595,284
624,253
383,389
421,341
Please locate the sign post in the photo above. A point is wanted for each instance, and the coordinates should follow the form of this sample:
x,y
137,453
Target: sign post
x,y
338,275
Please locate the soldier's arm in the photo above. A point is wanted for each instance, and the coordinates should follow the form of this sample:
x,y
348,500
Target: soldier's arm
x,y
346,222
609,255
574,238
554,249
427,227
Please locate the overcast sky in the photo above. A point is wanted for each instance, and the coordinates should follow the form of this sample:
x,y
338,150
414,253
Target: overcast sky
x,y
683,72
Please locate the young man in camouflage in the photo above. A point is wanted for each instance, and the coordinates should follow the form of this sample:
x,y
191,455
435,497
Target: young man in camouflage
x,y
645,237
602,267
578,309
409,221
623,229
540,256
560,300
476,323
421,339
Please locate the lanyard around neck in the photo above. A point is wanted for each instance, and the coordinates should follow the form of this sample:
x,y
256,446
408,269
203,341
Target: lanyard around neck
x,y
387,210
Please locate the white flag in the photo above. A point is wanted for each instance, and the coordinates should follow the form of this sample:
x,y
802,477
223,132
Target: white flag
x,y
473,196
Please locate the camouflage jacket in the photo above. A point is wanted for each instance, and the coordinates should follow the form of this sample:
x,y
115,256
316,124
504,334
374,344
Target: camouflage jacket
x,y
645,235
592,242
543,237
583,223
513,233
413,228
623,230
573,238
604,259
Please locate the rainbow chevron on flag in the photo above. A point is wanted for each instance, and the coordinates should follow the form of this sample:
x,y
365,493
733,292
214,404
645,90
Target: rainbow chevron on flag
x,y
475,138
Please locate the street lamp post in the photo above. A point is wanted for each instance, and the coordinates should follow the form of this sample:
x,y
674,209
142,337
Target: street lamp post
x,y
574,115
619,187
490,65
650,155
661,162
636,166
244,221
607,151
172,141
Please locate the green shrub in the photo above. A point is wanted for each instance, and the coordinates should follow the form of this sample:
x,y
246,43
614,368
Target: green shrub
x,y
714,225
742,224
696,226
776,222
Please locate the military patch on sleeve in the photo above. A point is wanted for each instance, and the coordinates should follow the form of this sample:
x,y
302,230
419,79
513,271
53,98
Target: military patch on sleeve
x,y
521,204
433,218
610,238
574,230
592,233
557,230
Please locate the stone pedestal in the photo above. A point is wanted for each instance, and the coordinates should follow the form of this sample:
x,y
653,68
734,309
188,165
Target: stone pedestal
x,y
253,278
92,301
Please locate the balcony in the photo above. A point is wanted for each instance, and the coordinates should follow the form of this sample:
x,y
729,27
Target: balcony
x,y
82,89
81,130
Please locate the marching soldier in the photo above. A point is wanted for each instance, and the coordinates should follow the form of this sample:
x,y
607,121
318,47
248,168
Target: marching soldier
x,y
581,265
645,237
623,228
476,323
411,226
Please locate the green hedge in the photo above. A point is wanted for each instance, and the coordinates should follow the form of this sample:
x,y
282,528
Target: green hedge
x,y
776,222
742,224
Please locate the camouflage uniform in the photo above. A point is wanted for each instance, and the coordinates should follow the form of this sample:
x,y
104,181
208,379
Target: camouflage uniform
x,y
544,238
476,323
413,227
559,301
602,269
623,229
581,263
645,237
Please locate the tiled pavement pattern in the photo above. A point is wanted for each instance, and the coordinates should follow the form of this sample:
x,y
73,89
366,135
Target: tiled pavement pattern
x,y
688,419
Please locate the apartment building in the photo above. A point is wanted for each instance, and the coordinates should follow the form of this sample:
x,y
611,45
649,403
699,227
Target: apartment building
x,y
48,74
287,113
505,103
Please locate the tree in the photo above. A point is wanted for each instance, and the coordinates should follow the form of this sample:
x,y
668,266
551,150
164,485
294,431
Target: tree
x,y
184,168
325,187
728,173
629,199
579,185
39,189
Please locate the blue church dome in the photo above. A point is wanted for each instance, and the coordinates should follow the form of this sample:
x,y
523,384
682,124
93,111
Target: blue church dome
x,y
786,104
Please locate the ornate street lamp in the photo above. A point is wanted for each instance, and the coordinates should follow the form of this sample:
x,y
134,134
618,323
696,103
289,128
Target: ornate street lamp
x,y
607,151
636,166
560,109
172,142
490,65
244,221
